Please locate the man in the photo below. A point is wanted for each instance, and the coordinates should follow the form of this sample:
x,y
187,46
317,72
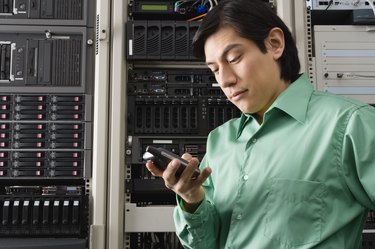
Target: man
x,y
296,170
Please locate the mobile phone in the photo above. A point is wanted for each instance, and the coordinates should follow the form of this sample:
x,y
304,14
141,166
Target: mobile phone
x,y
162,157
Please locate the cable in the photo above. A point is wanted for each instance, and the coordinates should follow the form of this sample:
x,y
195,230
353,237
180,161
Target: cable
x,y
354,75
363,76
372,6
329,4
188,5
196,17
211,5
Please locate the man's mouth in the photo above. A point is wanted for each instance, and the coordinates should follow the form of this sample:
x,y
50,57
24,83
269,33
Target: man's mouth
x,y
236,95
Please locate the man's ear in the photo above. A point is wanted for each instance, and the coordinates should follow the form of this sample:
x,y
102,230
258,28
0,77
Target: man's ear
x,y
275,42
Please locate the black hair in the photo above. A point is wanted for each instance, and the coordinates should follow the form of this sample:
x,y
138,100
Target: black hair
x,y
253,20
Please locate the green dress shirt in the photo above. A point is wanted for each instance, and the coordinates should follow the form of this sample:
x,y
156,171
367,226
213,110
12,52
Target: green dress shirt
x,y
304,178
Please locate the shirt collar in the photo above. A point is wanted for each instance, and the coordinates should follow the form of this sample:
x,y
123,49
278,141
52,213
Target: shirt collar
x,y
243,121
293,101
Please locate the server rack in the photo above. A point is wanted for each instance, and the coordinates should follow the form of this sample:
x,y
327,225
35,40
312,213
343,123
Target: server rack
x,y
338,32
47,123
172,101
297,15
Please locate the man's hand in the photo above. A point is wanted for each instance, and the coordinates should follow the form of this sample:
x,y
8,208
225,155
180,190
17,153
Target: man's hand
x,y
190,190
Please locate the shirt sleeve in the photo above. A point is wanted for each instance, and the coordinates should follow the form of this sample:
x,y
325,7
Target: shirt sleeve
x,y
198,230
359,155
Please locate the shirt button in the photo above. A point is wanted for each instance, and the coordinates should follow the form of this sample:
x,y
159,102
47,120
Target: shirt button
x,y
246,177
254,140
239,216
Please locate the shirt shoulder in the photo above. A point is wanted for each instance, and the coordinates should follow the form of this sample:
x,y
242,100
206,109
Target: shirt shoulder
x,y
335,113
325,102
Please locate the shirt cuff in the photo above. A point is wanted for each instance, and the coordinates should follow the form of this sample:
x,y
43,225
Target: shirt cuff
x,y
192,219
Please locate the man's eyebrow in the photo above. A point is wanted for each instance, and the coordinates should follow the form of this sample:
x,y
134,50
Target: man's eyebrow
x,y
225,51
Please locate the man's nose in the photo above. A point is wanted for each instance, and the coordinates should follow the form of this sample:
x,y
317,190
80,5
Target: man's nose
x,y
226,77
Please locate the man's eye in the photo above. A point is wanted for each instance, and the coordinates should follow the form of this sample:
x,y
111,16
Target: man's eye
x,y
234,60
214,70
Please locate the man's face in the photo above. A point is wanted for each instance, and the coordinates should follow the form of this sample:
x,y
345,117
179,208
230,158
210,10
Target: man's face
x,y
249,78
